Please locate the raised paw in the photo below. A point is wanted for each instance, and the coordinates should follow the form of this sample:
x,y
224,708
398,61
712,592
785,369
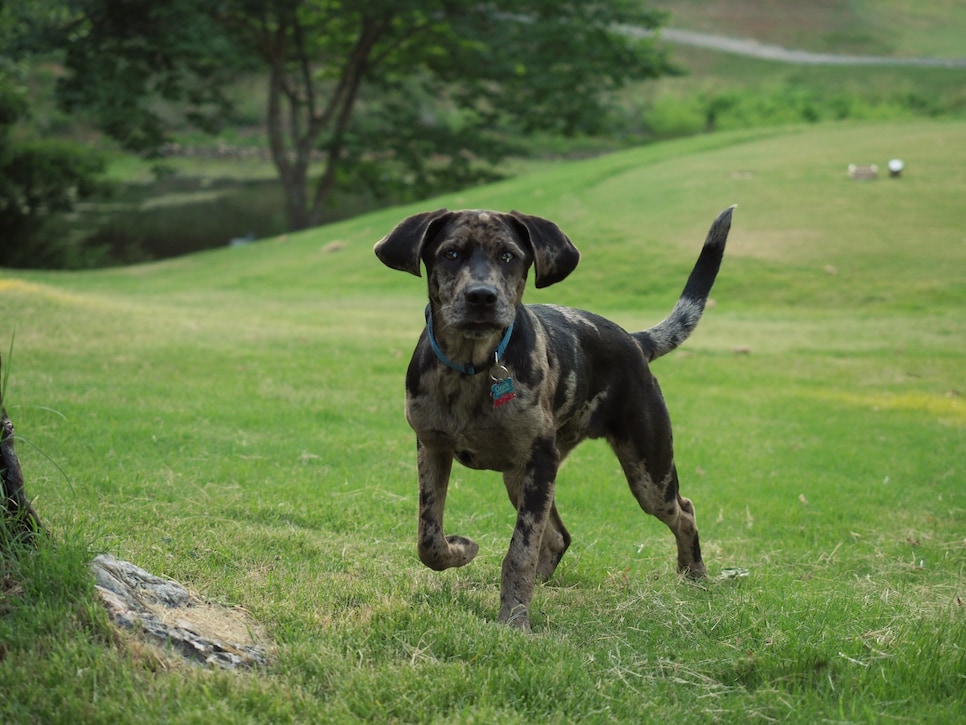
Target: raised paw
x,y
449,552
547,565
462,550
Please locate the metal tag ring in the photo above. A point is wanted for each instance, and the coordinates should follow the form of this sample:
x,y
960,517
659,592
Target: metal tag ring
x,y
499,373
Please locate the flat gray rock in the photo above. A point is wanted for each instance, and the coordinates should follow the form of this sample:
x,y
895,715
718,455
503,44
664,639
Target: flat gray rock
x,y
164,613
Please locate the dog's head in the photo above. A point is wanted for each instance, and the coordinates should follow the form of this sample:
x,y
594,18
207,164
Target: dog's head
x,y
477,262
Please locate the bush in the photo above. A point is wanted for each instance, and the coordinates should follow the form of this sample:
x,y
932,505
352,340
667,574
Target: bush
x,y
38,180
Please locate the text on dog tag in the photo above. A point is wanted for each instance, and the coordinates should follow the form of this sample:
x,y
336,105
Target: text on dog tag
x,y
502,392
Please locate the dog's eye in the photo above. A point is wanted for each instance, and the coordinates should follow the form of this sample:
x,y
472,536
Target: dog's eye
x,y
508,257
451,254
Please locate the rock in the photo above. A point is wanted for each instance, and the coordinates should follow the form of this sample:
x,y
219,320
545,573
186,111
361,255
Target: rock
x,y
164,613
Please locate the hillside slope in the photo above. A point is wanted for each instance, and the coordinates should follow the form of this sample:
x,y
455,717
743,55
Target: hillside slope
x,y
647,209
234,420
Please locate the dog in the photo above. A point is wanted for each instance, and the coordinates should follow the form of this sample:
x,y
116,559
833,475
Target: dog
x,y
510,387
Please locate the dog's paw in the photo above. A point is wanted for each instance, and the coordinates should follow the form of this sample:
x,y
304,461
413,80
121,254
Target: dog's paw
x,y
694,571
461,550
516,617
439,554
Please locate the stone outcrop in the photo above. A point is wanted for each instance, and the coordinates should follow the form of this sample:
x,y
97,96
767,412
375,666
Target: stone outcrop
x,y
164,613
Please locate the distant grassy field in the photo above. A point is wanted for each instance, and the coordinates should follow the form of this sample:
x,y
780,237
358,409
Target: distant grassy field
x,y
724,92
862,27
233,419
720,91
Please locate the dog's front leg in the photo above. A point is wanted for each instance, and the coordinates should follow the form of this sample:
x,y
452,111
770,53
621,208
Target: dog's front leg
x,y
533,491
436,550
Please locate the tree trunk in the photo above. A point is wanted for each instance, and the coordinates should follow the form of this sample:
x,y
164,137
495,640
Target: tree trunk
x,y
297,118
295,187
20,519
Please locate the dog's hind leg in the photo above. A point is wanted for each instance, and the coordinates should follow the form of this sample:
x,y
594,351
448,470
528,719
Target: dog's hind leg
x,y
678,514
663,500
556,540
436,550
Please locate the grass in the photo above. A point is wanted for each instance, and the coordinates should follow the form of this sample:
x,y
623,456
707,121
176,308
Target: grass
x,y
233,419
720,91
863,27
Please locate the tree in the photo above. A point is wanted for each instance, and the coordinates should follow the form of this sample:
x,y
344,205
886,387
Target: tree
x,y
368,83
39,178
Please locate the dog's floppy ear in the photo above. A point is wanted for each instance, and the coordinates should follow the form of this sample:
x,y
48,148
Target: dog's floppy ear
x,y
554,255
402,248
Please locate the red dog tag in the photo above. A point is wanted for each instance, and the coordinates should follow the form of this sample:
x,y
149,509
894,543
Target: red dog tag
x,y
502,392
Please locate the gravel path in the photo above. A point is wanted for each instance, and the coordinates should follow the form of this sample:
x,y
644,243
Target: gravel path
x,y
766,51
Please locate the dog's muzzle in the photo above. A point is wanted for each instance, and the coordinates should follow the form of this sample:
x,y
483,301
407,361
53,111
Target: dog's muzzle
x,y
481,298
480,312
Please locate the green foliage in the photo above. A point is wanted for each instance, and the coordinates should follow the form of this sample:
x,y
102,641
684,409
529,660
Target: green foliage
x,y
527,65
401,151
723,92
416,131
547,65
38,179
124,56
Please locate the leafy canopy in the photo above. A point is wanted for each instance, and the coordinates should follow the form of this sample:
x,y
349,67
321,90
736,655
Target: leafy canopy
x,y
38,177
379,87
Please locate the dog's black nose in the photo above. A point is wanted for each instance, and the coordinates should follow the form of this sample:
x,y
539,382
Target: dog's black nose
x,y
481,296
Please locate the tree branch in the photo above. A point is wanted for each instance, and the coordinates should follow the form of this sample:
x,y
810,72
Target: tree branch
x,y
342,105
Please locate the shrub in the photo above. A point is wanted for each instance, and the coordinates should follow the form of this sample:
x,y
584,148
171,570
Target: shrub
x,y
38,179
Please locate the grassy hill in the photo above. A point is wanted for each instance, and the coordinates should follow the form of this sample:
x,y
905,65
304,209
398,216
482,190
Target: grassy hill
x,y
233,419
720,91
863,27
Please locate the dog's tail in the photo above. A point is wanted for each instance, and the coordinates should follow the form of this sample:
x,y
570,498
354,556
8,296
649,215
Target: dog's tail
x,y
678,326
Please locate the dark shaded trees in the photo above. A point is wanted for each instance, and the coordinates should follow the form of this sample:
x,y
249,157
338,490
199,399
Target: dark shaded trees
x,y
38,177
373,90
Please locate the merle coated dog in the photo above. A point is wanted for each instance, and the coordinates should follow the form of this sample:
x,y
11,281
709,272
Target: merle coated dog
x,y
508,387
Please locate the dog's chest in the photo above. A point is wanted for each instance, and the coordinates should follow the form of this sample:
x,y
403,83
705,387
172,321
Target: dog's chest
x,y
462,417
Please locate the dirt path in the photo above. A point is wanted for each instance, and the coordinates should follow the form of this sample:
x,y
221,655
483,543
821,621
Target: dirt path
x,y
766,51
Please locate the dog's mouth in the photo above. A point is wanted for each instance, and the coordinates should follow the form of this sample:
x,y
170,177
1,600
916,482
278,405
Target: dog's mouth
x,y
474,324
478,329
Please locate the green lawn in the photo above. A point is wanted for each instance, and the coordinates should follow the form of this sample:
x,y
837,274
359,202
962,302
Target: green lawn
x,y
233,419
